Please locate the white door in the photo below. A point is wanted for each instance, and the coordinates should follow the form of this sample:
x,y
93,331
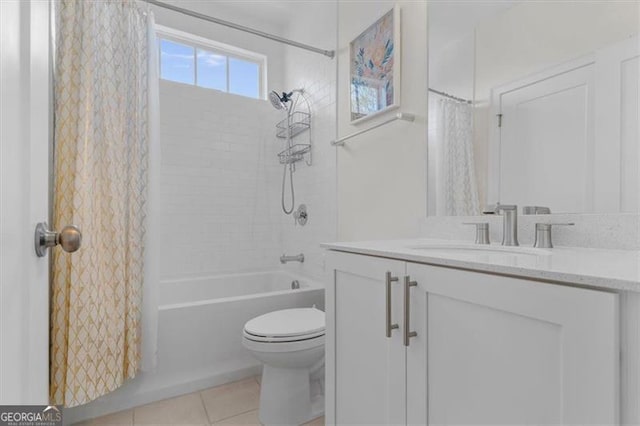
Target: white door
x,y
365,368
502,350
24,153
546,141
617,131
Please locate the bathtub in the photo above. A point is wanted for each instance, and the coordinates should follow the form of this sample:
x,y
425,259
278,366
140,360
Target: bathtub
x,y
200,324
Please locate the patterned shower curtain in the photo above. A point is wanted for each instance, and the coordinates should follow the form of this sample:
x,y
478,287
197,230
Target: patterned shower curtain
x,y
101,162
457,187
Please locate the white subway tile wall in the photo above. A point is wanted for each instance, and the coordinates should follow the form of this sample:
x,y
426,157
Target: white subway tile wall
x,y
221,179
220,183
315,185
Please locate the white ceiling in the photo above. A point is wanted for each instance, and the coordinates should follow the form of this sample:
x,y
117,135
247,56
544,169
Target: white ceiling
x,y
269,11
450,20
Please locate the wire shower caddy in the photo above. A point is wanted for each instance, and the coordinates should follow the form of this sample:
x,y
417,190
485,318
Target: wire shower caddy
x,y
297,125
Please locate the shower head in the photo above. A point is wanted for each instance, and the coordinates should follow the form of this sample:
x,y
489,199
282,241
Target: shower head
x,y
277,101
280,101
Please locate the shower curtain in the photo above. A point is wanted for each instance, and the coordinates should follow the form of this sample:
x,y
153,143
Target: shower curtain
x,y
456,189
103,86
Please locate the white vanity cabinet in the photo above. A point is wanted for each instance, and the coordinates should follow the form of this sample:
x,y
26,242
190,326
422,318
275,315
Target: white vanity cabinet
x,y
368,369
488,349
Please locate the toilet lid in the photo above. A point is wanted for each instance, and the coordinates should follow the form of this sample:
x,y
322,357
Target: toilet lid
x,y
287,323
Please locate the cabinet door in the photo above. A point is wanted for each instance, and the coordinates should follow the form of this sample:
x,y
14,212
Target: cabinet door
x,y
499,350
365,368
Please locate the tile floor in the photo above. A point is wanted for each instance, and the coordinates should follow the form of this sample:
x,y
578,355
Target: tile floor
x,y
231,404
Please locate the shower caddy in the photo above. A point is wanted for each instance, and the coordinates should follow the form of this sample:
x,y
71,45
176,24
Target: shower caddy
x,y
297,122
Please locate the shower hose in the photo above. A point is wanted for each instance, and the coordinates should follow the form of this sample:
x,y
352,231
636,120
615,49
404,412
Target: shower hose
x,y
293,195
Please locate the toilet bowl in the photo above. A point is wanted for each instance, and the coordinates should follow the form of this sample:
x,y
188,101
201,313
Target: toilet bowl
x,y
290,344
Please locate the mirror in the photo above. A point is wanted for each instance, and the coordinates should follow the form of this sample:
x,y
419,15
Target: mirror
x,y
534,104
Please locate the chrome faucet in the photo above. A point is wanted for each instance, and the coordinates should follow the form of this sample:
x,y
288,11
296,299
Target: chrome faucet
x,y
509,223
297,258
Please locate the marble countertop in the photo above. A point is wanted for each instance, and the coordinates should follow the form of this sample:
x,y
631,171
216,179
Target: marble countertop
x,y
604,268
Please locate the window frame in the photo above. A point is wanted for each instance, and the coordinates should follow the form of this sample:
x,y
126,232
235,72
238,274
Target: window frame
x,y
215,47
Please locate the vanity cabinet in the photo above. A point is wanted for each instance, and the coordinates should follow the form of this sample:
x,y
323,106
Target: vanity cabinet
x,y
368,368
488,349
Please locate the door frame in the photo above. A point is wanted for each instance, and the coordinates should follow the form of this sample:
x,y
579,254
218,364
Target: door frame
x,y
25,146
495,110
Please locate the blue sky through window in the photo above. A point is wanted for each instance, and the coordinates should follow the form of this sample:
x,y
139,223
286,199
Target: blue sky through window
x,y
244,78
177,62
211,69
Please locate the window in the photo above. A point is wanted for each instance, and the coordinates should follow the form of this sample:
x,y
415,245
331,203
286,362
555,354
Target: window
x,y
189,59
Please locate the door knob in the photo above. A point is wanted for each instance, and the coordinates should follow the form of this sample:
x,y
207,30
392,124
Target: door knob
x,y
70,238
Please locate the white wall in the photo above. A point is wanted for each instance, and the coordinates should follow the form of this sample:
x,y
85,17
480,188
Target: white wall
x,y
508,53
382,174
451,67
220,171
315,185
219,187
533,35
516,42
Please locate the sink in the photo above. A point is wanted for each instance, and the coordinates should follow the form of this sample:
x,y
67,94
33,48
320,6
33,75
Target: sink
x,y
479,250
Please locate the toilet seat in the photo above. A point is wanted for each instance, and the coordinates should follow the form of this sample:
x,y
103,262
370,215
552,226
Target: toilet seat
x,y
281,339
291,346
286,325
285,330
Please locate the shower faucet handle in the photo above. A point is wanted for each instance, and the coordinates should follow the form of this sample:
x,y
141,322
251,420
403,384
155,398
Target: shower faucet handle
x,y
300,215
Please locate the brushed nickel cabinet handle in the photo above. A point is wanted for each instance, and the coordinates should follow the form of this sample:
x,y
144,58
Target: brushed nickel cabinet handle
x,y
407,301
388,280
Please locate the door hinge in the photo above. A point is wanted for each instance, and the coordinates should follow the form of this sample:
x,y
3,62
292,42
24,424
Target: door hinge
x,y
499,119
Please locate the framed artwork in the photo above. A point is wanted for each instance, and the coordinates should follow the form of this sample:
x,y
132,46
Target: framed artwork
x,y
375,68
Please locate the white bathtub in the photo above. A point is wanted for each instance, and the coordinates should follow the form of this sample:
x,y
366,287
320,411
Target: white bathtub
x,y
200,323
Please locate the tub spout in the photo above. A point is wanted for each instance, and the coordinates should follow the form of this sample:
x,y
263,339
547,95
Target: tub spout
x,y
297,258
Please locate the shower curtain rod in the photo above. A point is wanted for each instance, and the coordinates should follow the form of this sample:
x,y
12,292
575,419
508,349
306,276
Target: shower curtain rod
x,y
329,53
446,95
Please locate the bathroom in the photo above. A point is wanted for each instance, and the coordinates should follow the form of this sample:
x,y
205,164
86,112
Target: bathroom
x,y
277,195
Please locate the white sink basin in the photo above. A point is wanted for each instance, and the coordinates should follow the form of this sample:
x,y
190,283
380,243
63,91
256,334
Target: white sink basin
x,y
480,250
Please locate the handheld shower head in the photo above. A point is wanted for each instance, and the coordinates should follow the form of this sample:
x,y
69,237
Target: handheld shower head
x,y
280,101
276,100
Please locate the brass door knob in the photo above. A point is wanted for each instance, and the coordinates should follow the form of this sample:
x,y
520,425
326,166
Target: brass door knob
x,y
70,238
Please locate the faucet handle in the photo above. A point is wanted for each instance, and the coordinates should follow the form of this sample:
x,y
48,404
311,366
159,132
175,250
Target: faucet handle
x,y
536,210
482,231
543,234
509,207
497,208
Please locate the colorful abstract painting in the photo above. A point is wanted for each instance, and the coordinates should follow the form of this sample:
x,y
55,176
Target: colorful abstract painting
x,y
373,56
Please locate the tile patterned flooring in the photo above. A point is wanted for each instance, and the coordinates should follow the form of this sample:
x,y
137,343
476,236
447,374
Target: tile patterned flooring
x,y
231,404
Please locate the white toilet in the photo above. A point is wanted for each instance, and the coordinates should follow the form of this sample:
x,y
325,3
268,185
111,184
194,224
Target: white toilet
x,y
290,344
